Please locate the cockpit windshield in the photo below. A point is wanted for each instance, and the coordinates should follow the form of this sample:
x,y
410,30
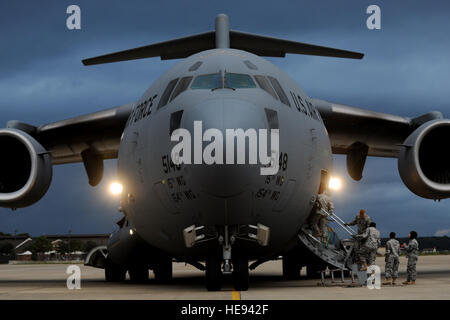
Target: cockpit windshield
x,y
238,81
225,80
207,81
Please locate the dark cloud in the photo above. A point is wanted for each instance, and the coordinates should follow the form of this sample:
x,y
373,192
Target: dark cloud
x,y
405,71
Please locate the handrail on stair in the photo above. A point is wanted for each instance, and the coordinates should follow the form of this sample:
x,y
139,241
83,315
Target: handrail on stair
x,y
340,222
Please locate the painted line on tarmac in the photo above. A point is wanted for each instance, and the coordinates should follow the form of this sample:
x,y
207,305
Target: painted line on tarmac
x,y
235,295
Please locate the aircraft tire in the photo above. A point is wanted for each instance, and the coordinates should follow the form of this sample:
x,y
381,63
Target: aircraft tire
x,y
312,271
114,272
240,273
213,273
291,267
138,273
163,270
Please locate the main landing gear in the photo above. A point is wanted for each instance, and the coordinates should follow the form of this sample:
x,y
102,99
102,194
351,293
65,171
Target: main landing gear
x,y
114,272
291,266
163,270
139,273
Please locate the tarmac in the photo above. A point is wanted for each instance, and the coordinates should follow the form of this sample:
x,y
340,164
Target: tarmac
x,y
48,281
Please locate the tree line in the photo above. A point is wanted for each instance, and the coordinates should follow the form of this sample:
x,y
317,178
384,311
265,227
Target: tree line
x,y
42,244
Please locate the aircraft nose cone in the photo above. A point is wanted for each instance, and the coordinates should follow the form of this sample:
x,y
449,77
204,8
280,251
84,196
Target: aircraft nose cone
x,y
225,180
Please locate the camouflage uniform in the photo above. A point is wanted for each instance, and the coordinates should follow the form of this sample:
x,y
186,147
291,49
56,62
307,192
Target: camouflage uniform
x,y
323,225
370,241
363,223
392,258
412,253
319,219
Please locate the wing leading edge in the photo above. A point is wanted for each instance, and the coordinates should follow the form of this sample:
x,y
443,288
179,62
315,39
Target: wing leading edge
x,y
359,133
382,133
95,134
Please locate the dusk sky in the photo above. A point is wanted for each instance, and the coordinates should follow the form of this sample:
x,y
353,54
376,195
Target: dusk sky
x,y
405,71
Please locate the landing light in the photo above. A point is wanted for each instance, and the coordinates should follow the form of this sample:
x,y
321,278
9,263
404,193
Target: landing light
x,y
335,183
115,188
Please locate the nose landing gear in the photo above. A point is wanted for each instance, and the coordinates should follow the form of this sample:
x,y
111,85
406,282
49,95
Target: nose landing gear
x,y
235,265
221,262
214,277
240,272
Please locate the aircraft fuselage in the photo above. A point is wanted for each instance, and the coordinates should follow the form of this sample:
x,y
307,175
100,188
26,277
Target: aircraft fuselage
x,y
161,199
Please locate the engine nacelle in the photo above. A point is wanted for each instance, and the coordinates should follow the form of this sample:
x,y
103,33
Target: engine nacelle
x,y
424,161
25,169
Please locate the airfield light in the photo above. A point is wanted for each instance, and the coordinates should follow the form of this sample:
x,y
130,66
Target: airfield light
x,y
115,188
335,183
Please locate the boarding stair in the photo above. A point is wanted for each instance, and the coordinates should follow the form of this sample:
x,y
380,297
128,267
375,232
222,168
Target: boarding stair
x,y
330,257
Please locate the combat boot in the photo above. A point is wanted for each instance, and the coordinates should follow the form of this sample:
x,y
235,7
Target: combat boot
x,y
412,282
393,281
405,282
387,282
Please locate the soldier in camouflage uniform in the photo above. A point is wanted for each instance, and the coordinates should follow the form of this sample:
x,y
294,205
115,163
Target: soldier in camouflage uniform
x,y
392,259
412,253
319,219
328,206
362,220
370,241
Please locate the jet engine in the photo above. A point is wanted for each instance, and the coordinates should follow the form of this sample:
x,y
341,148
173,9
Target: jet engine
x,y
424,160
25,169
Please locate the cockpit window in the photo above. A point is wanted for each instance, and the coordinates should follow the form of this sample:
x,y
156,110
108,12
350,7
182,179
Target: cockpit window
x,y
166,94
250,65
239,81
265,85
182,86
281,94
207,81
195,66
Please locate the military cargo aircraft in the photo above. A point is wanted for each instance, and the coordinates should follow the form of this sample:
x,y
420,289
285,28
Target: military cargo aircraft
x,y
220,216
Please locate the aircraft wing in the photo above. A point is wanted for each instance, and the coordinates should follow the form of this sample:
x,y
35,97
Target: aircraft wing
x,y
382,133
66,140
359,133
31,152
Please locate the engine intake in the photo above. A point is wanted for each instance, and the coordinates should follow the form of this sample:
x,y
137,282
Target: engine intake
x,y
25,169
424,161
